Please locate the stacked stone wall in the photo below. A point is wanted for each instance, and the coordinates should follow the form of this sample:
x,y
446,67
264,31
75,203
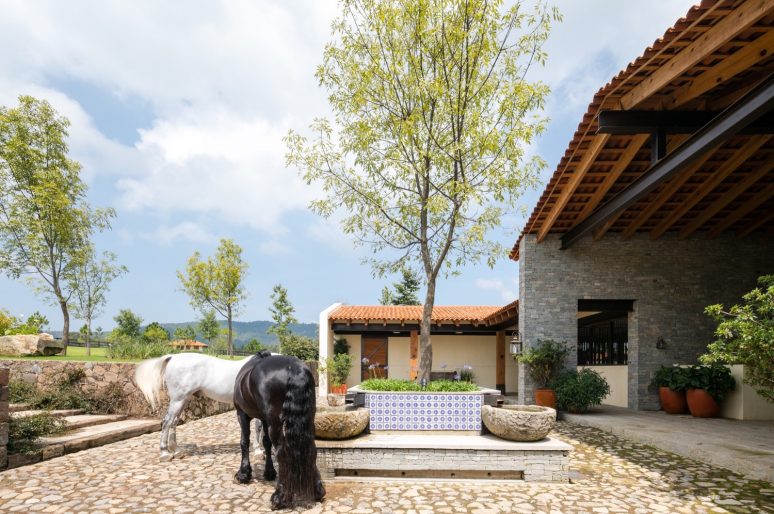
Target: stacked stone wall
x,y
4,416
99,376
671,281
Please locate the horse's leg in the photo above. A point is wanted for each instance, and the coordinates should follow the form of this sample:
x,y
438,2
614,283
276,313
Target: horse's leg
x,y
258,447
168,442
278,500
172,438
164,454
245,473
269,472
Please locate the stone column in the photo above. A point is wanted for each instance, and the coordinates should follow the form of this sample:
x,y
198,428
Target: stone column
x,y
5,374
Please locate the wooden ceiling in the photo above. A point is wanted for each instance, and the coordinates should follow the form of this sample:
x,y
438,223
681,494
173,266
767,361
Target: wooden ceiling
x,y
708,61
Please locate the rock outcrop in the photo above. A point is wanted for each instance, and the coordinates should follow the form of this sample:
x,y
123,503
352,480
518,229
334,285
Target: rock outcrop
x,y
33,344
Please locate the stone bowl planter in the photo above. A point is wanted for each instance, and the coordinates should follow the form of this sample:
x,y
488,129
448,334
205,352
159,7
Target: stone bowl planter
x,y
519,422
340,422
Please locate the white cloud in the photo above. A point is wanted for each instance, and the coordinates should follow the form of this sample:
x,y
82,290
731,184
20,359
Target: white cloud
x,y
274,247
506,293
185,231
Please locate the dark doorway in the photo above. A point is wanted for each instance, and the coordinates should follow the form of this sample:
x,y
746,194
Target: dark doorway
x,y
603,332
374,349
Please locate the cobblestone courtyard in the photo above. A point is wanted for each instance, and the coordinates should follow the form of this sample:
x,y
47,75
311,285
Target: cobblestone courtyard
x,y
608,475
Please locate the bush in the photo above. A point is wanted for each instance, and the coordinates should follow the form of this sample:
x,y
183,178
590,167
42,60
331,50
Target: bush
x,y
305,348
466,373
66,393
108,400
125,347
21,392
340,345
436,386
746,336
576,391
337,368
716,379
673,377
25,433
544,360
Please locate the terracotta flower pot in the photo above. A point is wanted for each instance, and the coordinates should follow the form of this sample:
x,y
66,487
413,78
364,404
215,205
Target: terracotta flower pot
x,y
702,404
673,402
545,397
339,389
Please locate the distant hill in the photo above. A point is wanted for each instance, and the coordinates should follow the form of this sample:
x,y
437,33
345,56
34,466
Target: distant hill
x,y
246,330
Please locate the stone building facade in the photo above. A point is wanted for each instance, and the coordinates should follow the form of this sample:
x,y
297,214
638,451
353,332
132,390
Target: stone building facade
x,y
671,282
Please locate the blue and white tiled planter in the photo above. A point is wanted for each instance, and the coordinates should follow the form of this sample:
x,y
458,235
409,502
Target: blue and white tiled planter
x,y
424,411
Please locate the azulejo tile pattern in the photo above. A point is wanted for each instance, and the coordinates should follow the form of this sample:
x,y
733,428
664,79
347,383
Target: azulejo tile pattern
x,y
424,411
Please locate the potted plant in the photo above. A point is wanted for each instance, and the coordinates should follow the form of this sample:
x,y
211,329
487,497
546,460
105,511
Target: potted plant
x,y
671,381
707,387
543,362
337,368
576,391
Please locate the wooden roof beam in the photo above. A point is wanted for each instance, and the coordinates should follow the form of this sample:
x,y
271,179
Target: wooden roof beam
x,y
730,165
729,122
762,196
577,176
748,55
729,26
756,224
728,197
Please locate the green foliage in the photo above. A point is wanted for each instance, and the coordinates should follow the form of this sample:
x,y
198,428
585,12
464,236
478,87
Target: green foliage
x,y
432,116
124,347
716,379
305,348
45,220
405,290
109,399
745,335
186,332
544,360
340,345
208,326
127,324
9,325
253,346
465,373
6,322
673,377
337,368
20,391
217,283
576,391
65,394
386,296
282,313
155,332
24,433
437,386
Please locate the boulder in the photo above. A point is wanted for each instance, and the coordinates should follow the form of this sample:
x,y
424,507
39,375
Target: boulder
x,y
519,422
30,344
340,422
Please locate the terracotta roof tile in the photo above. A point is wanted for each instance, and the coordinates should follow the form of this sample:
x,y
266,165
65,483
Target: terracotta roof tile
x,y
188,342
470,313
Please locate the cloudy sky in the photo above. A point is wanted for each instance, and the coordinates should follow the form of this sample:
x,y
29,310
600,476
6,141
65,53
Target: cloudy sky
x,y
178,109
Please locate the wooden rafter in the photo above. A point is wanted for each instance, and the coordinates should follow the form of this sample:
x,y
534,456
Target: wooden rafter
x,y
729,26
756,224
759,198
748,55
665,193
591,153
727,197
620,165
730,165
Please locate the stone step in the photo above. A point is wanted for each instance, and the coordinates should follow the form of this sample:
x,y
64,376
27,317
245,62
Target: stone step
x,y
89,420
16,407
58,413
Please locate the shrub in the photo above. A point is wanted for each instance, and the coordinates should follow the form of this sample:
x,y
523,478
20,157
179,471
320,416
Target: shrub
x,y
24,433
673,377
66,393
21,392
746,336
340,345
305,348
466,374
108,400
126,347
576,391
437,386
716,379
544,360
337,368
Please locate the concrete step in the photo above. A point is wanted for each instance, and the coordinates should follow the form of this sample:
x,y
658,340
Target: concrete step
x,y
58,413
98,435
89,420
16,407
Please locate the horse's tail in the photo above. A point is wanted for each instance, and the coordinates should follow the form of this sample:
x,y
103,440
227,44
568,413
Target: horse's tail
x,y
149,378
302,477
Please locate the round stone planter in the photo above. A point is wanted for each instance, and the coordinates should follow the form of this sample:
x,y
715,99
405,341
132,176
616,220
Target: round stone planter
x,y
340,422
519,422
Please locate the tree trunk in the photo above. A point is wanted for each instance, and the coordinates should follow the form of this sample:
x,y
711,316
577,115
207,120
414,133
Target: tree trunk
x,y
425,346
88,336
66,327
230,331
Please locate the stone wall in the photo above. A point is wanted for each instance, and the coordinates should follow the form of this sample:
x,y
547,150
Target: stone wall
x,y
100,376
671,281
4,416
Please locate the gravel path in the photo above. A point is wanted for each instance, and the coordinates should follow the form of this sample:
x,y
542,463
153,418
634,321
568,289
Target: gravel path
x,y
608,475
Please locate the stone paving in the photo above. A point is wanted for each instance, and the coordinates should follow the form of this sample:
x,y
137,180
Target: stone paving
x,y
608,475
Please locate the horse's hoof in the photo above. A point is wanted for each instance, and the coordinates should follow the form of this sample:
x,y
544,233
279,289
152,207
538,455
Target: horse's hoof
x,y
243,478
166,457
270,476
178,454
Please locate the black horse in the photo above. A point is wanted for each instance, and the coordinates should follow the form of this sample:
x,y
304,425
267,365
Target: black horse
x,y
279,390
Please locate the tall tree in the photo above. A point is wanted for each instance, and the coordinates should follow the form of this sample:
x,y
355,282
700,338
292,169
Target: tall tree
x,y
217,283
434,114
155,332
406,290
282,313
186,332
208,326
45,221
90,282
127,324
386,297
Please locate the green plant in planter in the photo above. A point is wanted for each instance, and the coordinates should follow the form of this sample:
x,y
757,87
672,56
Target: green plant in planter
x,y
337,368
576,391
716,379
673,377
544,360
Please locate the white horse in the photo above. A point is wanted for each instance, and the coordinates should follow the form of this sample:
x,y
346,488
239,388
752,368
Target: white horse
x,y
185,374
